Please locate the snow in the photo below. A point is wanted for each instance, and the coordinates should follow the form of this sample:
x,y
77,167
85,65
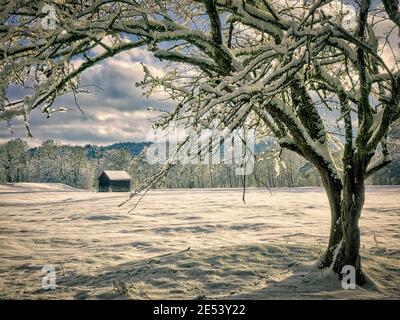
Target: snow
x,y
29,187
376,125
187,243
117,175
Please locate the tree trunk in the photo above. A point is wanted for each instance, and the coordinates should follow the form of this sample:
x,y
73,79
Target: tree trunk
x,y
348,252
333,189
344,240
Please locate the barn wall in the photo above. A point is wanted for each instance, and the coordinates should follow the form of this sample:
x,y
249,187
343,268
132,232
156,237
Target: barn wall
x,y
104,184
120,186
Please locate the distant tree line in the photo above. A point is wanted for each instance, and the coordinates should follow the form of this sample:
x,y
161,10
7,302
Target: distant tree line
x,y
79,166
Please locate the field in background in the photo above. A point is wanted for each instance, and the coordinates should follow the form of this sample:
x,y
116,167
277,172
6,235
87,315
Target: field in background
x,y
197,243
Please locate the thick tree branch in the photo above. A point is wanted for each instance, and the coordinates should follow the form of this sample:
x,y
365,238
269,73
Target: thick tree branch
x,y
392,9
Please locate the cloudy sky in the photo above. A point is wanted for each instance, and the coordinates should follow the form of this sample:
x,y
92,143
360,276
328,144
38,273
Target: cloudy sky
x,y
114,111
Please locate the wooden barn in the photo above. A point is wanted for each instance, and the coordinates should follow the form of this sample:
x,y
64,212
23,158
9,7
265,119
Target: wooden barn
x,y
115,181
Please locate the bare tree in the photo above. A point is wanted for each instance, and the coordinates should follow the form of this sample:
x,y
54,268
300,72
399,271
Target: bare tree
x,y
313,74
13,161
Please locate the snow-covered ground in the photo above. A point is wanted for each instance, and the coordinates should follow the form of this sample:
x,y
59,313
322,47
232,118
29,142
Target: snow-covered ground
x,y
187,244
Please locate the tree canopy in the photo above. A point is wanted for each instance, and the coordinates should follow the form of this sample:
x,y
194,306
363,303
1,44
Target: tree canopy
x,y
270,64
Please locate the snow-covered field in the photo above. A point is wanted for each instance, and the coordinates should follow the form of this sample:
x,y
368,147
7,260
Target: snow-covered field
x,y
187,244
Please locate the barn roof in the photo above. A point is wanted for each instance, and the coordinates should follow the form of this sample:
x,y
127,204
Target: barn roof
x,y
117,175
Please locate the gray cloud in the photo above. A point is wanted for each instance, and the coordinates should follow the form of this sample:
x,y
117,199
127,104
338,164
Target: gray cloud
x,y
114,111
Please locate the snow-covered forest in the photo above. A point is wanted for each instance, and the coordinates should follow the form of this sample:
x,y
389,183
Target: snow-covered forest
x,y
79,167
